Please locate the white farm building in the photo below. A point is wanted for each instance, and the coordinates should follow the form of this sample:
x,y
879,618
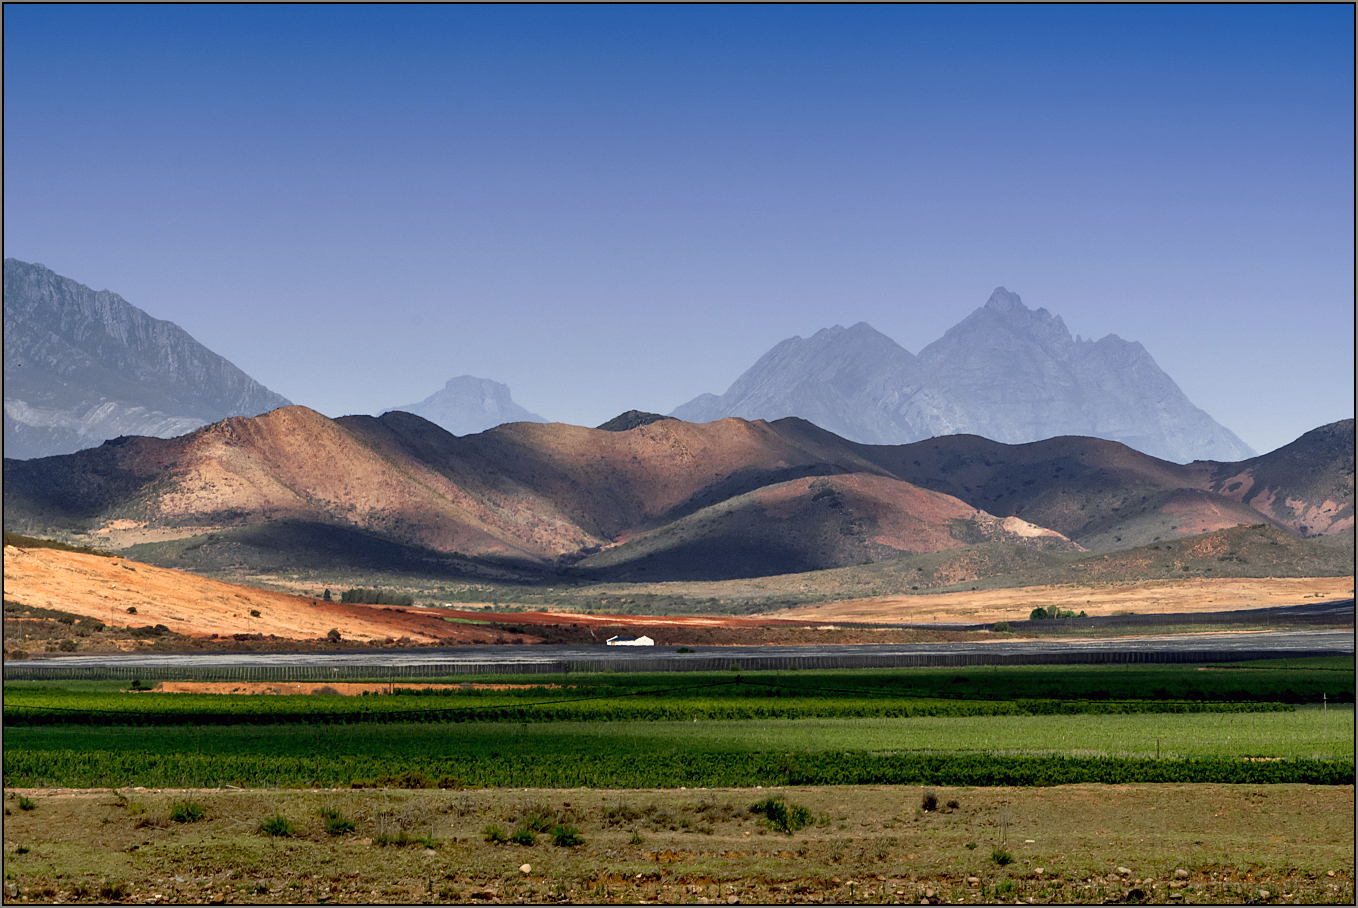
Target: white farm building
x,y
631,641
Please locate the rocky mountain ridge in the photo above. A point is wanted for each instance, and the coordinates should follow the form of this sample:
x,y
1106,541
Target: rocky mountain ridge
x,y
1005,372
83,366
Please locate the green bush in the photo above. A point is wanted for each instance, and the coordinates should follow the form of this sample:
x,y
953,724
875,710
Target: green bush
x,y
187,812
1037,614
783,816
494,834
277,825
1000,627
566,836
928,800
523,836
26,803
1001,857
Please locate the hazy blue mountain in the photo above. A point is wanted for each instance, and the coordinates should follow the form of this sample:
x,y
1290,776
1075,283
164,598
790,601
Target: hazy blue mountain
x,y
856,382
83,366
1005,372
467,405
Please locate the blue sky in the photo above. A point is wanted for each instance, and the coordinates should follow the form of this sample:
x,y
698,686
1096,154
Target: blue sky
x,y
612,208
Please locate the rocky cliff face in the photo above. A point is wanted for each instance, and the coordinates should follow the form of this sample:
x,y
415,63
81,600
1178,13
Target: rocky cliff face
x,y
1005,372
467,405
83,366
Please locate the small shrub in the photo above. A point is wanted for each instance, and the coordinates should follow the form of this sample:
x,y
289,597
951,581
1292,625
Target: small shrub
x,y
494,834
334,635
971,846
684,649
132,610
335,824
784,817
114,892
187,812
26,803
1001,857
636,838
566,836
1005,889
928,801
254,613
1000,627
22,849
18,654
523,836
953,805
67,619
1037,614
277,825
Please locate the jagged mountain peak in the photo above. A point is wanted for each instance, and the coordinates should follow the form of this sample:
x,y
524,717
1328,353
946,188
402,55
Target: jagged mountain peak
x,y
1006,372
1004,301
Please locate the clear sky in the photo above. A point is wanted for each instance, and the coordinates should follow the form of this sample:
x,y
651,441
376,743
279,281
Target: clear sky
x,y
611,208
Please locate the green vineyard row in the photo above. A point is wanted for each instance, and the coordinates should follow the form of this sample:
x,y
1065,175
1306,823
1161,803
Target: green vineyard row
x,y
71,768
59,707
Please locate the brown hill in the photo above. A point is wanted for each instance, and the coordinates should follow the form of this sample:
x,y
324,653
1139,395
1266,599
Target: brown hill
x,y
805,525
665,498
1306,486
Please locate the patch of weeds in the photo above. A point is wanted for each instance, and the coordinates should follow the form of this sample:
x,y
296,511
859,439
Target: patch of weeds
x,y
928,800
1001,857
953,805
1005,888
277,825
187,812
26,803
636,838
494,834
837,849
566,837
335,823
783,816
400,840
22,849
537,816
620,813
971,846
523,836
881,848
113,891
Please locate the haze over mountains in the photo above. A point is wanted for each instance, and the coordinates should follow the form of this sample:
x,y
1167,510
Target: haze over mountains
x,y
666,499
1005,372
83,366
467,405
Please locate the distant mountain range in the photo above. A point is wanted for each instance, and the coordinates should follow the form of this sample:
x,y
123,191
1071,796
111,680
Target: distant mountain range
x,y
467,405
83,366
663,500
1005,372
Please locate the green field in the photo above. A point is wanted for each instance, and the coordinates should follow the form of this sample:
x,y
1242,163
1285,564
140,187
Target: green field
x,y
932,726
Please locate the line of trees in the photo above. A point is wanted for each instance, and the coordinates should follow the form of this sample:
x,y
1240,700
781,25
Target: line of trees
x,y
376,597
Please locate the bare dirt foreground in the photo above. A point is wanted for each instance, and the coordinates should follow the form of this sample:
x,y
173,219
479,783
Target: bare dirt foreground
x,y
1280,844
1153,597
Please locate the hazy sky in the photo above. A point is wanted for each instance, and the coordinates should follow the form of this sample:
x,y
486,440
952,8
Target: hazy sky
x,y
612,208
